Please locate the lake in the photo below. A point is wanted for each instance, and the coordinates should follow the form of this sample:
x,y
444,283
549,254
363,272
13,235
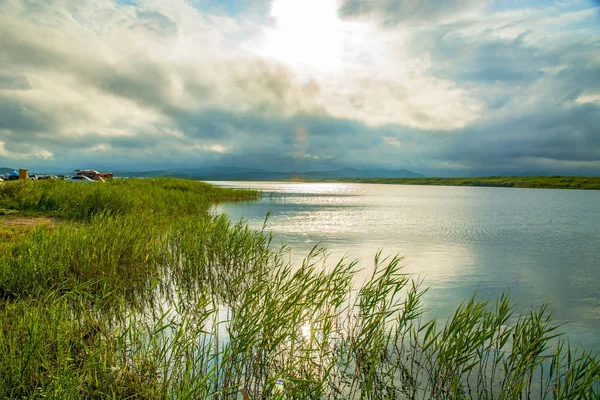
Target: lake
x,y
539,245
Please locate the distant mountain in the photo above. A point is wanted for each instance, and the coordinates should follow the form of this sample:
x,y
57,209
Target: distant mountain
x,y
50,170
363,173
5,170
237,173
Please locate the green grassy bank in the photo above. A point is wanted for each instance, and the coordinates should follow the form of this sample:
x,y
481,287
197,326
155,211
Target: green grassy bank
x,y
136,291
539,182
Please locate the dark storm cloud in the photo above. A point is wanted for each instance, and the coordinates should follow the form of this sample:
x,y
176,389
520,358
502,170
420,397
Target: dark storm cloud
x,y
490,60
581,77
511,61
320,133
145,83
218,124
21,118
568,134
562,135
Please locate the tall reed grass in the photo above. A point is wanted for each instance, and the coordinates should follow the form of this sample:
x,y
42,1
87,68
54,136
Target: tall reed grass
x,y
116,197
140,293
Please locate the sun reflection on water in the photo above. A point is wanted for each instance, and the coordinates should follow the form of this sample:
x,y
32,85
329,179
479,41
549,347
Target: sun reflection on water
x,y
306,331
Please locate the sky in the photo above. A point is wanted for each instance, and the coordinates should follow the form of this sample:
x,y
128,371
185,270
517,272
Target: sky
x,y
446,88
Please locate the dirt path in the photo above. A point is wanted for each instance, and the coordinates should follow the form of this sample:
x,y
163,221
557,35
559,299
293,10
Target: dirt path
x,y
27,221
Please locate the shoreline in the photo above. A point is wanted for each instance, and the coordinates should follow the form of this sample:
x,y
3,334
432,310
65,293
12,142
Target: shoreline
x,y
534,182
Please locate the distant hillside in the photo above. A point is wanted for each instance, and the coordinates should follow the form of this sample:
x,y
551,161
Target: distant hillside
x,y
363,173
237,173
5,170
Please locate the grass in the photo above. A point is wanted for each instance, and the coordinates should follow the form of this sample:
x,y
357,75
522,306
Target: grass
x,y
11,234
540,182
141,293
58,198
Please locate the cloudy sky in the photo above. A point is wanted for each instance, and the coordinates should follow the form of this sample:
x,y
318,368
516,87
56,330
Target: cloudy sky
x,y
453,87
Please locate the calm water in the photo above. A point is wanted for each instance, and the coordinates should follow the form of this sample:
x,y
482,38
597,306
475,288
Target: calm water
x,y
539,245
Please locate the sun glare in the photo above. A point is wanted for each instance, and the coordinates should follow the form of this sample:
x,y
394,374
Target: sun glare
x,y
307,33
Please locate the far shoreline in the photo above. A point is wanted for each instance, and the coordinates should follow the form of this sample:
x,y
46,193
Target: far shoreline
x,y
521,182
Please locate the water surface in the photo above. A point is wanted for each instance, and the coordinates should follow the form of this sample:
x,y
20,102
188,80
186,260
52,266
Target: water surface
x,y
540,245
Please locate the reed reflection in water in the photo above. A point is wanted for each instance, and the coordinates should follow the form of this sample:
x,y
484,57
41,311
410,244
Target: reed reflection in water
x,y
539,245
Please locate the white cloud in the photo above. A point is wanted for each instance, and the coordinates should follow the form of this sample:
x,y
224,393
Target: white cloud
x,y
99,69
162,80
392,141
214,148
32,151
365,72
588,98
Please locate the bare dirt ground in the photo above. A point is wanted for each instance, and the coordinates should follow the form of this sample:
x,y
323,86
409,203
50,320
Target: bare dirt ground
x,y
27,221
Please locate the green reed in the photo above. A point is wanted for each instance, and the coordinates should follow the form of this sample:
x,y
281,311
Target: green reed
x,y
140,293
118,197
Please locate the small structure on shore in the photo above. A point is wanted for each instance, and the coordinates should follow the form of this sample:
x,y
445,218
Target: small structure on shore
x,y
12,176
93,174
23,174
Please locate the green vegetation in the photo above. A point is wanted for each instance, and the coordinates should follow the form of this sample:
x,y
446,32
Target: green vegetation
x,y
540,182
58,198
141,293
11,234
